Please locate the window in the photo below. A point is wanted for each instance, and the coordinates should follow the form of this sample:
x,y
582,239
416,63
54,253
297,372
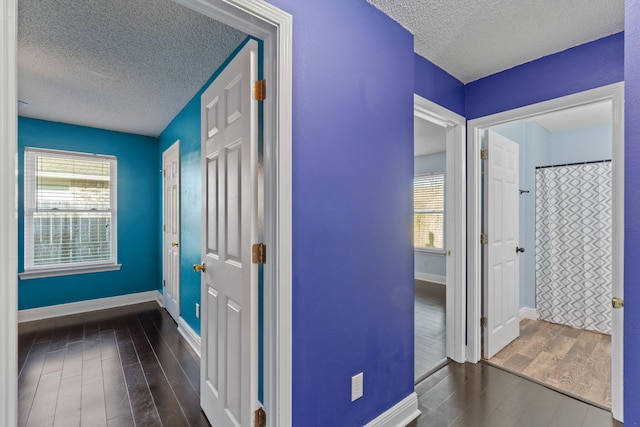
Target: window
x,y
69,212
428,211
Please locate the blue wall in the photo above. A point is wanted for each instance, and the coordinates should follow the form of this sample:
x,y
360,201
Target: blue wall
x,y
632,214
353,85
137,213
186,127
577,69
435,84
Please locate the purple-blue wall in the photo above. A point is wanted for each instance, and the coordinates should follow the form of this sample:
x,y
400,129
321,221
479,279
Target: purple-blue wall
x,y
436,85
577,69
632,214
353,91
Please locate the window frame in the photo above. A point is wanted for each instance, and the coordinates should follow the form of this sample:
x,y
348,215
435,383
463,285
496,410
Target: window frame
x,y
32,271
442,250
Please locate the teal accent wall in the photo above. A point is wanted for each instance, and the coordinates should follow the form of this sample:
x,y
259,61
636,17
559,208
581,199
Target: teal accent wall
x,y
186,128
137,214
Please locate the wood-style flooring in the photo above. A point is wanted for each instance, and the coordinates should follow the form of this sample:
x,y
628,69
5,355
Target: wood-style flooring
x,y
120,367
430,330
574,361
468,395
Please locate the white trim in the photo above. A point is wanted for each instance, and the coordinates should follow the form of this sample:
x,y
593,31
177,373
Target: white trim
x,y
85,306
160,299
433,278
399,415
274,27
54,272
528,313
189,335
8,213
614,93
455,222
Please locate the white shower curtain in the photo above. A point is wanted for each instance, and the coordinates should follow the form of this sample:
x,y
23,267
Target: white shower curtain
x,y
573,245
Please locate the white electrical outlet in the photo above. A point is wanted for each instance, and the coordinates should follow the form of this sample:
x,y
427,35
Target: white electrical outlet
x,y
356,386
197,310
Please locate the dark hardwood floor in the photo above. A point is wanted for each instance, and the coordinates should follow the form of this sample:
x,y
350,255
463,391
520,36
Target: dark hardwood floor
x,y
430,330
480,395
119,367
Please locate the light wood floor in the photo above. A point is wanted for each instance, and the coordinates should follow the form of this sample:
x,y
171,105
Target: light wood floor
x,y
574,361
430,331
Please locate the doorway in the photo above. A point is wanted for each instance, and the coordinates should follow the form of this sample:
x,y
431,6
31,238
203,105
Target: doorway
x,y
171,230
569,139
262,21
440,239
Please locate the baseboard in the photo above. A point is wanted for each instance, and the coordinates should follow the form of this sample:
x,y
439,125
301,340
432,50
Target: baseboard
x,y
433,278
528,313
160,299
85,306
189,335
399,415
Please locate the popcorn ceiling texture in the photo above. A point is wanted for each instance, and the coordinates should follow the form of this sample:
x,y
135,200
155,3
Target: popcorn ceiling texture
x,y
125,65
474,39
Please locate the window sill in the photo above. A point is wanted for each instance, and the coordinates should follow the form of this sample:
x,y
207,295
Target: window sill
x,y
53,272
430,251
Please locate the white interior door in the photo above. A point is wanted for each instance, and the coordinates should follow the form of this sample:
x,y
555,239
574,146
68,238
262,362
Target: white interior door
x,y
171,229
501,219
229,365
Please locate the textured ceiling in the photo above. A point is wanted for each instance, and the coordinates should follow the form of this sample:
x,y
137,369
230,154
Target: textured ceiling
x,y
598,113
474,39
120,65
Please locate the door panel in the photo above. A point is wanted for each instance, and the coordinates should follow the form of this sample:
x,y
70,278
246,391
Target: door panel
x,y
229,282
171,227
502,287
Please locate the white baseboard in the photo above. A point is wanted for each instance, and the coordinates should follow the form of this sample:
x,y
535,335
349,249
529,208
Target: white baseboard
x,y
399,415
160,299
433,278
189,335
85,306
528,313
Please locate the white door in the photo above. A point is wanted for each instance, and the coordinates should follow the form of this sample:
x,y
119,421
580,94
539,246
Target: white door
x,y
501,219
171,229
229,365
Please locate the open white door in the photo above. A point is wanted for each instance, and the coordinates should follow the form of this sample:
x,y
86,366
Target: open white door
x,y
501,219
171,229
229,363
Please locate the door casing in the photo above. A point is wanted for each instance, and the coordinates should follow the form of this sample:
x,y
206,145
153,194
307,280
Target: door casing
x,y
455,221
265,22
613,93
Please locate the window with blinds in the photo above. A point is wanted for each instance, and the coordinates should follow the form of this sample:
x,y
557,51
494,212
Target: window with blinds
x,y
69,209
428,211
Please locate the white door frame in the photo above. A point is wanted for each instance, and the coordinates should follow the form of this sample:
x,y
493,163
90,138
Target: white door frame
x,y
613,93
174,147
455,220
261,20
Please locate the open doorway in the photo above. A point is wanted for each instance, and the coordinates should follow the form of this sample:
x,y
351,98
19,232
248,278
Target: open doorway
x,y
430,161
568,253
439,224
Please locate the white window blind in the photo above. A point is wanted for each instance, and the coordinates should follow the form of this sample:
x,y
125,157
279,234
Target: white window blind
x,y
70,209
428,211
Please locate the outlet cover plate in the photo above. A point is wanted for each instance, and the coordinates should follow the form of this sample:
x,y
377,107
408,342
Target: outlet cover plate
x,y
356,386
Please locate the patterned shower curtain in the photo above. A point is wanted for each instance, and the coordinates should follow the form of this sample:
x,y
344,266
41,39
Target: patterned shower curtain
x,y
573,245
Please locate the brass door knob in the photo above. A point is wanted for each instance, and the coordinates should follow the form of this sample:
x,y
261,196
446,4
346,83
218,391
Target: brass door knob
x,y
175,244
617,302
198,268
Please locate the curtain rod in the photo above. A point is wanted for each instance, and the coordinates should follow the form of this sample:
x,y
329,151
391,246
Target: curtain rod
x,y
573,164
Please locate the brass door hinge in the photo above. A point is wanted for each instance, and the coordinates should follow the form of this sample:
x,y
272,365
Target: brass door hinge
x,y
259,253
484,154
260,418
164,172
484,239
164,228
164,283
483,322
260,90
